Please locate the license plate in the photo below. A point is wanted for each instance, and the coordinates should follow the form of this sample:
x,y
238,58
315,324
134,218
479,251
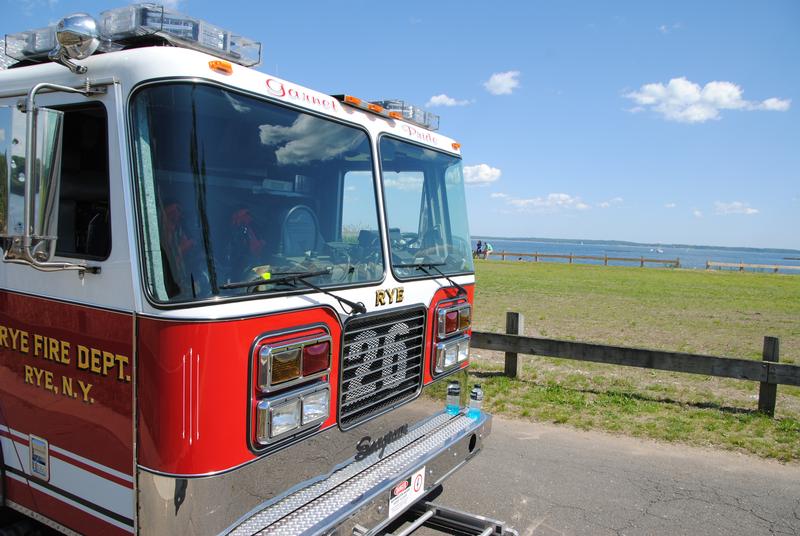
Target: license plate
x,y
406,492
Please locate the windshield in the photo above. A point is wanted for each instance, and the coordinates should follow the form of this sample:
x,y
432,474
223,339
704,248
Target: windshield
x,y
426,209
232,189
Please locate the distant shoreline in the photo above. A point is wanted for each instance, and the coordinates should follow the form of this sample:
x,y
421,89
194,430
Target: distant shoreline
x,y
579,241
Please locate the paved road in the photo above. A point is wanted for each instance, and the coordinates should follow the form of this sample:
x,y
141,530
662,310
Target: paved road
x,y
547,480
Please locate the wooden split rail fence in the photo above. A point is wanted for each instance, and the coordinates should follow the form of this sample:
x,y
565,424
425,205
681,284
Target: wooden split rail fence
x,y
768,372
676,263
742,266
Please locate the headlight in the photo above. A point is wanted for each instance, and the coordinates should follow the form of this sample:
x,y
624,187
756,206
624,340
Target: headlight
x,y
292,413
315,406
284,418
451,353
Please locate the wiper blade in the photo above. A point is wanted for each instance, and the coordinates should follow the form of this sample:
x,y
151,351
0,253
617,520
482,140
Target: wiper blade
x,y
425,266
282,277
292,278
355,307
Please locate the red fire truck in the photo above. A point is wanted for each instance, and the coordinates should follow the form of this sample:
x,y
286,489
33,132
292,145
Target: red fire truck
x,y
222,294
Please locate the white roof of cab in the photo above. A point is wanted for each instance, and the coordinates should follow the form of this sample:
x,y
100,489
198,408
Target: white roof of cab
x,y
129,68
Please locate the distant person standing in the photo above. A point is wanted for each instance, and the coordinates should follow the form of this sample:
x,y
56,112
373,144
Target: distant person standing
x,y
478,250
487,250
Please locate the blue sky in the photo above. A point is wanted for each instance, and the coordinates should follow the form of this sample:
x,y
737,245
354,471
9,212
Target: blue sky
x,y
645,121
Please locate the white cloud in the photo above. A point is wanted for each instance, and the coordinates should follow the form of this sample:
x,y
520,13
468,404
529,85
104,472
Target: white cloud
x,y
498,195
445,100
308,139
697,214
669,28
550,203
734,207
172,4
775,105
481,175
29,7
406,181
611,202
687,102
670,205
502,83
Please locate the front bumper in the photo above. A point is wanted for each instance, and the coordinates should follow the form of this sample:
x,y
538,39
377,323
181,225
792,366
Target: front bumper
x,y
355,499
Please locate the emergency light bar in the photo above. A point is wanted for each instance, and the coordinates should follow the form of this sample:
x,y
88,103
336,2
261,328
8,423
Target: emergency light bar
x,y
138,23
6,61
132,22
396,109
411,113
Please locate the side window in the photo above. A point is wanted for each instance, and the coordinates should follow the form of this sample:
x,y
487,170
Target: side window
x,y
84,222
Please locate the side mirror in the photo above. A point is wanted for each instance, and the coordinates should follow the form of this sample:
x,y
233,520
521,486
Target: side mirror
x,y
30,161
29,191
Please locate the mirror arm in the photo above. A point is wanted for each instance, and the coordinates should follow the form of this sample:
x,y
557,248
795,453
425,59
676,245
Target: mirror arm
x,y
60,56
30,200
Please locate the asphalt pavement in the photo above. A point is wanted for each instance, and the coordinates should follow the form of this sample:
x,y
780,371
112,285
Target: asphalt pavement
x,y
551,480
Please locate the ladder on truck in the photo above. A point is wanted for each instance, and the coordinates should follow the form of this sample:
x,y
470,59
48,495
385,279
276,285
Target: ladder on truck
x,y
446,520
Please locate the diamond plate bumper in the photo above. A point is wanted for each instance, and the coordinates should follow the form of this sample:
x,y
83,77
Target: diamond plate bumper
x,y
354,499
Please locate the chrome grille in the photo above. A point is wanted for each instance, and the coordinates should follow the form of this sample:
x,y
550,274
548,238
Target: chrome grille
x,y
381,363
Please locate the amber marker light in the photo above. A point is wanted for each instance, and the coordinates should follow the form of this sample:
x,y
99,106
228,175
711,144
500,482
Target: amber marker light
x,y
377,108
221,67
456,146
464,319
396,115
355,101
285,366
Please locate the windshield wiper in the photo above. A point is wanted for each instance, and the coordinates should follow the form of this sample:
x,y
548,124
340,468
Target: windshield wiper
x,y
425,266
282,277
292,278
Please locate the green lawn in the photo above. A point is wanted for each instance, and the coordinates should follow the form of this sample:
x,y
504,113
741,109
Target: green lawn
x,y
716,313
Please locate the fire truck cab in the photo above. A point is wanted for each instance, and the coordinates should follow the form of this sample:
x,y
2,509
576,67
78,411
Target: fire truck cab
x,y
222,294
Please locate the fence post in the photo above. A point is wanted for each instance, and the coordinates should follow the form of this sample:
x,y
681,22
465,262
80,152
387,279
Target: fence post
x,y
642,262
605,260
515,325
767,392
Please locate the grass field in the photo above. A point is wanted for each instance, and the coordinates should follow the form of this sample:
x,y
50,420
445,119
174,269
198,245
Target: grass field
x,y
716,313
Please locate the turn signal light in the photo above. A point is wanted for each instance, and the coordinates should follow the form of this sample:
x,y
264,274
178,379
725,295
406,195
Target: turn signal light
x,y
454,320
450,322
287,363
316,357
285,366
